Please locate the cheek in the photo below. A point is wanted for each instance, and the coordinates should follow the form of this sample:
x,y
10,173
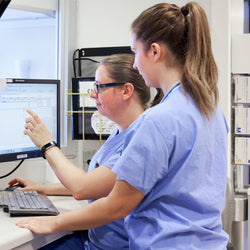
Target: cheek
x,y
108,100
141,62
137,61
105,100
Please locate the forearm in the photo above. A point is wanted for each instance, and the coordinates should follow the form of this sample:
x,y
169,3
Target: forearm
x,y
56,189
83,218
68,174
93,215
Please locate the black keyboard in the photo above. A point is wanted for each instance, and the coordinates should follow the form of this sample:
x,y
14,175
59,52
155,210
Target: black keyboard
x,y
27,203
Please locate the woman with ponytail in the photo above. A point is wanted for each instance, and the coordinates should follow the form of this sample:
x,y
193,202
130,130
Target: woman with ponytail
x,y
180,165
171,177
176,161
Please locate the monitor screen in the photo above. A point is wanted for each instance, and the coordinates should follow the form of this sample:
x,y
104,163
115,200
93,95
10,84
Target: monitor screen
x,y
16,96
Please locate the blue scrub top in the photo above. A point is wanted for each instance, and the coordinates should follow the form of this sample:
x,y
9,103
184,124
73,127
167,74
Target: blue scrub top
x,y
178,159
113,235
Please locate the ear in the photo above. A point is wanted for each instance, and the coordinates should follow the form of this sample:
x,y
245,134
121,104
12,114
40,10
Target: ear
x,y
127,90
156,51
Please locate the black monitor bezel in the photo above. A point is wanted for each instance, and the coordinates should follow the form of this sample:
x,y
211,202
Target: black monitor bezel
x,y
3,6
34,153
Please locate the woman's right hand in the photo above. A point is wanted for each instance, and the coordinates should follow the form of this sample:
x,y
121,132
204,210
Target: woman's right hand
x,y
28,185
36,129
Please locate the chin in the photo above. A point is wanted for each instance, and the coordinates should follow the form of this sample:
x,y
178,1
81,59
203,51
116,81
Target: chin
x,y
98,107
149,84
100,111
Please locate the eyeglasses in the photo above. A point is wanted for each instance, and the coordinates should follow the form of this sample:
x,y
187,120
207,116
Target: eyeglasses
x,y
98,85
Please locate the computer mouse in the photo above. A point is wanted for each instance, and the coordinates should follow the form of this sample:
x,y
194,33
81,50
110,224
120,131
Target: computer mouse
x,y
14,187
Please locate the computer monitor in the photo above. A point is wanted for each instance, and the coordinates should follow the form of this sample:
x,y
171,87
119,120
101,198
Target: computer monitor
x,y
16,96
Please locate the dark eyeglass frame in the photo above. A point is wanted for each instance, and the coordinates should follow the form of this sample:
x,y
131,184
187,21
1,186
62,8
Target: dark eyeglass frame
x,y
98,85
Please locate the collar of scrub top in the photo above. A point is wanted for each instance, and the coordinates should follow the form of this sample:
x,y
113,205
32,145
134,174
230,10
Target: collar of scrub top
x,y
171,90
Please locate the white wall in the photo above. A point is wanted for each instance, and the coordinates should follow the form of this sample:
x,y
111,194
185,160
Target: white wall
x,y
221,43
107,23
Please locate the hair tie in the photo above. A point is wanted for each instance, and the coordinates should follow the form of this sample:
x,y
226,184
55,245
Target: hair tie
x,y
184,11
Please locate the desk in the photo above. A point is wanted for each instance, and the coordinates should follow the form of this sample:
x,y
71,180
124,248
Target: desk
x,y
13,237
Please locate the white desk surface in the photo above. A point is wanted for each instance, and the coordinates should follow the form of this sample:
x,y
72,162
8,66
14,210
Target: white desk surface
x,y
13,237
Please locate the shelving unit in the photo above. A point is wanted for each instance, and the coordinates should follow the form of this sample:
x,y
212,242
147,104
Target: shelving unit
x,y
240,133
240,153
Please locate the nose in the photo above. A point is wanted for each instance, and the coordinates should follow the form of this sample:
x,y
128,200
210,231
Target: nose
x,y
93,94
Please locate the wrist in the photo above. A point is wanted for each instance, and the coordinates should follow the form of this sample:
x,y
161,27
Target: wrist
x,y
47,146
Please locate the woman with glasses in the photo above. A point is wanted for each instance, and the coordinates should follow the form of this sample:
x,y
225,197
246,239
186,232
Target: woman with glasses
x,y
122,96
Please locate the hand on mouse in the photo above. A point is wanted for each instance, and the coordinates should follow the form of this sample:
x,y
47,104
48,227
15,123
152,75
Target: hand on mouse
x,y
26,184
13,187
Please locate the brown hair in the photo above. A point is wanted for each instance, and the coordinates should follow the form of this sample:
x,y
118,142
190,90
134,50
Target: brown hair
x,y
120,69
185,31
159,95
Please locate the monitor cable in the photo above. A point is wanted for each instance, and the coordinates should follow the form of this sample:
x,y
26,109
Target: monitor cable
x,y
12,171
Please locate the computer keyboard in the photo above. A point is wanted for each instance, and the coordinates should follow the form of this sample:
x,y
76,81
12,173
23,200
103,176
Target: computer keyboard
x,y
26,203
